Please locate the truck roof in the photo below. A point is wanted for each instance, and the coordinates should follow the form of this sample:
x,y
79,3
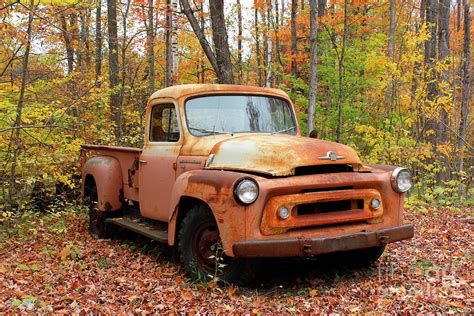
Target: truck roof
x,y
192,89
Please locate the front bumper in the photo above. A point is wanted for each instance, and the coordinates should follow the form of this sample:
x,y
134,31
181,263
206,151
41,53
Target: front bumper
x,y
299,247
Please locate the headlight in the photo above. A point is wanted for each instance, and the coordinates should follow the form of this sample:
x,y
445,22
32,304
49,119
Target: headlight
x,y
401,180
246,191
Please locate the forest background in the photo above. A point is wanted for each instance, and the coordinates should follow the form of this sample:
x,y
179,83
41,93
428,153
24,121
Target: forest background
x,y
391,78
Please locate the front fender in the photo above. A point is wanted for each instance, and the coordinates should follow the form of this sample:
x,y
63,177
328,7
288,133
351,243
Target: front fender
x,y
215,188
108,179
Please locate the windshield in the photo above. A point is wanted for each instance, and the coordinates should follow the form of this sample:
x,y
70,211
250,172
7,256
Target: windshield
x,y
239,114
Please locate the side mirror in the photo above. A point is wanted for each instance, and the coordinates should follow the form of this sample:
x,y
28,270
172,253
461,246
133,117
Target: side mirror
x,y
313,134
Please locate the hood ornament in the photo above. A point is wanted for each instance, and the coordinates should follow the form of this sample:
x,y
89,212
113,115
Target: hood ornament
x,y
331,155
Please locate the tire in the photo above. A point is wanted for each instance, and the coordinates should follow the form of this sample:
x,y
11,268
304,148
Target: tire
x,y
98,227
201,253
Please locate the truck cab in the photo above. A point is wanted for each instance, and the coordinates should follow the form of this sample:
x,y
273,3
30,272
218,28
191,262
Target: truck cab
x,y
226,177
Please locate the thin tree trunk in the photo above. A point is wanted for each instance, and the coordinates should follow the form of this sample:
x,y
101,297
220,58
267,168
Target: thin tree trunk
x,y
115,104
123,68
151,49
430,61
465,95
98,41
220,39
75,37
83,53
322,7
269,64
276,28
16,133
443,48
313,77
459,10
239,42
294,47
68,44
390,50
169,51
203,65
257,49
202,40
341,73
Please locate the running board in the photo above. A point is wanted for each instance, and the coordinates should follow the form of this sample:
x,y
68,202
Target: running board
x,y
146,229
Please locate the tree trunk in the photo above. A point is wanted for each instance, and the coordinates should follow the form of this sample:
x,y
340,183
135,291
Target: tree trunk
x,y
313,77
458,22
115,106
68,44
430,61
220,61
16,133
276,28
220,39
322,7
294,47
98,41
239,42
257,49
83,51
203,64
123,68
169,48
151,48
390,50
465,95
443,48
269,63
341,73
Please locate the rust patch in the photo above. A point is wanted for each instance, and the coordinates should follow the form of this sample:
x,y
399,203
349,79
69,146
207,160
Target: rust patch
x,y
273,224
295,247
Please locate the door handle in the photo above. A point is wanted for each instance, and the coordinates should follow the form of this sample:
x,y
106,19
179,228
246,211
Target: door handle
x,y
142,161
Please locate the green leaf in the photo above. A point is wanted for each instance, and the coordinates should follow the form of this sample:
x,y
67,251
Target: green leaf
x,y
16,303
23,267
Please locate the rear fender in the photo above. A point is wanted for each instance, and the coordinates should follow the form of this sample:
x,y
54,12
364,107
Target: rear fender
x,y
215,188
108,179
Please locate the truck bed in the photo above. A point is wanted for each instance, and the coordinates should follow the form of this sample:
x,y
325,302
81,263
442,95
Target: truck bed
x,y
128,157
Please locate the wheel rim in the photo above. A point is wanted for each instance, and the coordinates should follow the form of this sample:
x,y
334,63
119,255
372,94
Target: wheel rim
x,y
206,247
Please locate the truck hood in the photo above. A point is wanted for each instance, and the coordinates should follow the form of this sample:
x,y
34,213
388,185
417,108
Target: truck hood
x,y
277,154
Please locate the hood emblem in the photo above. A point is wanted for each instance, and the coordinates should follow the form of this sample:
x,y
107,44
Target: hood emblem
x,y
330,155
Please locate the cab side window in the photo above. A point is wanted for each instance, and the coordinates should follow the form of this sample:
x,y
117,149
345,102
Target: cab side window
x,y
164,123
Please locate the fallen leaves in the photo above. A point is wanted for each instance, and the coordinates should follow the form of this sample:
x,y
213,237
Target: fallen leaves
x,y
70,272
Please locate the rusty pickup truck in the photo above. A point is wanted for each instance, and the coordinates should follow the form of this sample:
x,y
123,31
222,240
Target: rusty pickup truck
x,y
226,177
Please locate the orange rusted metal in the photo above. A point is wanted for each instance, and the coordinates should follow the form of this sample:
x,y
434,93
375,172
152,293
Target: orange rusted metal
x,y
277,154
273,224
206,168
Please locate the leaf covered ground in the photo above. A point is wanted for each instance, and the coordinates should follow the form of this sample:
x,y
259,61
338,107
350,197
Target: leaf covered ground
x,y
49,263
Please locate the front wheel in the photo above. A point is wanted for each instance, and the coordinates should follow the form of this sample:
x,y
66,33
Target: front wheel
x,y
201,251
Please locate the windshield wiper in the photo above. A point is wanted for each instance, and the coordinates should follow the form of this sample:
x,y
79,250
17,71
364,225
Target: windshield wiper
x,y
202,130
284,130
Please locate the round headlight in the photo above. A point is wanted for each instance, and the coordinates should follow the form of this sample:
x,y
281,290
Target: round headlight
x,y
246,191
401,180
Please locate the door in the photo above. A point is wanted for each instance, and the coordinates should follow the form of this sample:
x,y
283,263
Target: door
x,y
158,161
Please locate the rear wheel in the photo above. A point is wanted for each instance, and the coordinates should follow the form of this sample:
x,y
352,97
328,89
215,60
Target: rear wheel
x,y
201,251
97,224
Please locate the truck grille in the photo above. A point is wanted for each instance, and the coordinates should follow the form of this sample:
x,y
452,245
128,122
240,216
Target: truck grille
x,y
307,170
329,207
